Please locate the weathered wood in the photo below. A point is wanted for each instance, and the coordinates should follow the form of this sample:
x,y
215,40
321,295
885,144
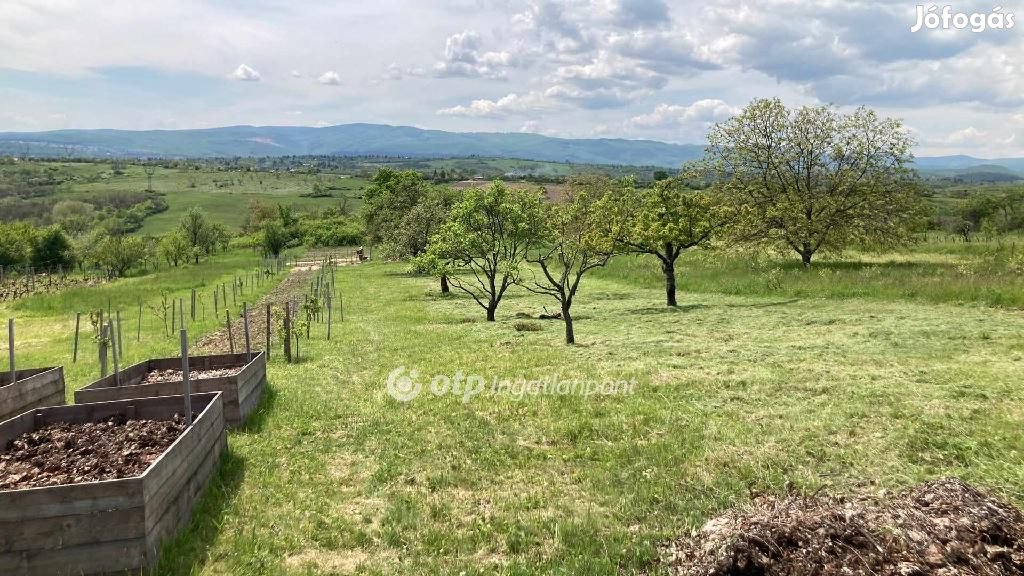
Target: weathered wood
x,y
32,388
114,525
242,392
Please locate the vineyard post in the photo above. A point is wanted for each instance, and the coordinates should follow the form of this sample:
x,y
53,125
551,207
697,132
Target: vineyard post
x,y
245,324
181,312
114,353
138,331
174,315
287,340
234,292
193,309
328,317
186,387
341,306
120,342
103,350
216,301
224,294
10,349
268,331
227,324
78,323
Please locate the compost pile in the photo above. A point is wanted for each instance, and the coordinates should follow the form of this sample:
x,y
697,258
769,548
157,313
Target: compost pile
x,y
944,527
158,376
72,453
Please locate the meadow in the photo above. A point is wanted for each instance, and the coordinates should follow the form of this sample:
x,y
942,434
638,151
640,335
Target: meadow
x,y
831,378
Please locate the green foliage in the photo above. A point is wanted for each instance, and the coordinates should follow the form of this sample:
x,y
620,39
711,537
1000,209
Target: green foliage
x,y
328,231
388,200
51,248
274,238
815,179
118,254
174,248
576,238
485,239
15,243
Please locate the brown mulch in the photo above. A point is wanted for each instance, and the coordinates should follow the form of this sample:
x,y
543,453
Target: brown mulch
x,y
71,453
943,528
171,375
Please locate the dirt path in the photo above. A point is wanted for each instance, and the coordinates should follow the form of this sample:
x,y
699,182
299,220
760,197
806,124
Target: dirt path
x,y
292,287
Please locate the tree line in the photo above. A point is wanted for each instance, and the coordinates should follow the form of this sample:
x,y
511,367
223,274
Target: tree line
x,y
808,180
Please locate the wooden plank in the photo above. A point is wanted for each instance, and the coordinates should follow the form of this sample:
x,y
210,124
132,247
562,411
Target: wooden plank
x,y
77,529
83,498
31,391
164,480
108,557
178,511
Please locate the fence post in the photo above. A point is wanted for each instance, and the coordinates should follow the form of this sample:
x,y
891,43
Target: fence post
x,y
10,349
328,316
216,302
268,332
186,386
287,333
181,312
231,337
114,353
138,331
78,322
120,342
193,309
245,324
103,350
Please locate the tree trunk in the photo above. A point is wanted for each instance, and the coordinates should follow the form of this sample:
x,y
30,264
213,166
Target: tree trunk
x,y
669,268
570,335
491,308
805,257
444,284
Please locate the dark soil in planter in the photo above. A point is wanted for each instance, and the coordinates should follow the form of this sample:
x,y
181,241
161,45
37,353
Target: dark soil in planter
x,y
943,528
158,376
73,453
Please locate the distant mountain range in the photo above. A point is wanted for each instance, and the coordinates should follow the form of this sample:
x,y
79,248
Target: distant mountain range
x,y
346,140
379,139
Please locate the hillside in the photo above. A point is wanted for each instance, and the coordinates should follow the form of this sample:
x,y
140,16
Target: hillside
x,y
346,140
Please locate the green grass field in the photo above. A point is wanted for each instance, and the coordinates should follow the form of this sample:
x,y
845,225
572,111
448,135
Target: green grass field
x,y
223,195
804,386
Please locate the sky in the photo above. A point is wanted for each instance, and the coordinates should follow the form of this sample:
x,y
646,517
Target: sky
x,y
652,69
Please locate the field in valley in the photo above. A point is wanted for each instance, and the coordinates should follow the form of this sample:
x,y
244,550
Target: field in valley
x,y
748,386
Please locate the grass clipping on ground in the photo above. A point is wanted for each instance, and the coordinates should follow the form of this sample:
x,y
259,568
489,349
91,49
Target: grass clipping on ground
x,y
943,527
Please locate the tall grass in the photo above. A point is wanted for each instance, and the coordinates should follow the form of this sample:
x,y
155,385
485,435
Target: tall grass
x,y
989,273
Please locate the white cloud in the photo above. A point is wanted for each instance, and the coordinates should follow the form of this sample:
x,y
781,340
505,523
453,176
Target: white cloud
x,y
511,104
464,56
972,136
330,78
701,111
296,74
245,74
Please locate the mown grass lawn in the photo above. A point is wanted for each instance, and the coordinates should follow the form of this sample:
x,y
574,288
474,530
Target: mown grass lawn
x,y
735,394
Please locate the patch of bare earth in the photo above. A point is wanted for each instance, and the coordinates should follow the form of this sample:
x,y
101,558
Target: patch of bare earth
x,y
295,284
943,528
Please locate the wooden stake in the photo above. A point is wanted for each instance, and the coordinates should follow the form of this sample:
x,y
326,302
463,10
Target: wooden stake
x,y
268,332
138,331
287,339
193,309
328,317
231,337
186,386
114,353
120,342
245,324
10,350
78,323
103,351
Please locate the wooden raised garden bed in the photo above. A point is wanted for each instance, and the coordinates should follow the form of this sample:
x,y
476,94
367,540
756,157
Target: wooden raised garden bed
x,y
241,382
106,526
32,388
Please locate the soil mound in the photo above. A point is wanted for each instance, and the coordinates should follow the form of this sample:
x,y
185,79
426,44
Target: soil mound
x,y
943,527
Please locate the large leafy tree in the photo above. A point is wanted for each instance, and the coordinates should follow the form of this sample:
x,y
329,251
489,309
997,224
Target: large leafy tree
x,y
576,239
387,201
482,244
51,248
665,221
813,178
